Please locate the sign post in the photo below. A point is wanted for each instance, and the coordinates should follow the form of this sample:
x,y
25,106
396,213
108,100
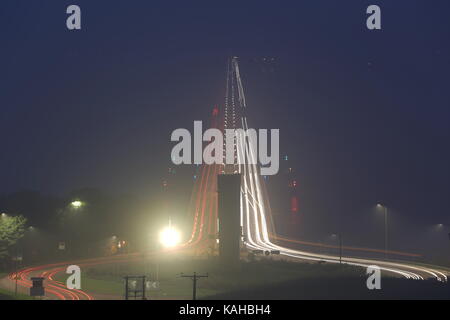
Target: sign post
x,y
136,285
37,290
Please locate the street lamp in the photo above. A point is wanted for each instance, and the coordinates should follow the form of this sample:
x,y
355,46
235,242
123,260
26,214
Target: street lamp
x,y
169,237
379,205
339,236
76,204
442,227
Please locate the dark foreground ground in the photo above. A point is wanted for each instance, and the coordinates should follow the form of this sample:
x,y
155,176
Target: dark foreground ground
x,y
265,279
343,288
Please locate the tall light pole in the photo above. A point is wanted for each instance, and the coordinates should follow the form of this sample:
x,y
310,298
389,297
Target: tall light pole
x,y
379,205
339,236
443,227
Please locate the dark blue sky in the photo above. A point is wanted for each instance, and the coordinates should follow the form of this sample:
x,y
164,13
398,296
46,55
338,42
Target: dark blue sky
x,y
363,114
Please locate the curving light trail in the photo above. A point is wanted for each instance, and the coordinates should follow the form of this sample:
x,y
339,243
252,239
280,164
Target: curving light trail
x,y
254,214
255,211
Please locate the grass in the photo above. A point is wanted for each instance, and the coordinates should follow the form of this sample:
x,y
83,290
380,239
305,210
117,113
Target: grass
x,y
345,288
9,295
263,279
108,279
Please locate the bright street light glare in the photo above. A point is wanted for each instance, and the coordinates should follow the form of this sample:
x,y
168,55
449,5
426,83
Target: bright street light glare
x,y
169,237
76,204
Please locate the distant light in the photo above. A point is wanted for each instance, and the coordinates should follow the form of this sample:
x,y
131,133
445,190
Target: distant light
x,y
169,237
3,214
76,204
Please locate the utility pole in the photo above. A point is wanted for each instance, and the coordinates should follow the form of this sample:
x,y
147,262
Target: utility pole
x,y
385,233
339,236
385,229
16,267
194,278
126,288
449,235
16,277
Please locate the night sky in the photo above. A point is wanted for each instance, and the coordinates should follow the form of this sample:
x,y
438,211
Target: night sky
x,y
363,115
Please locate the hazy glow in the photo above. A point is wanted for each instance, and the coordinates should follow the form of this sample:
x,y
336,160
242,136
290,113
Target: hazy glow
x,y
76,204
169,237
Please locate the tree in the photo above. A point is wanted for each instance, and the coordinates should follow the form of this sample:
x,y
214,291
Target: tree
x,y
12,228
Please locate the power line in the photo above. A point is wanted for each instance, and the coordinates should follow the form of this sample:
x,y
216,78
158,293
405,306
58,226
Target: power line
x,y
194,278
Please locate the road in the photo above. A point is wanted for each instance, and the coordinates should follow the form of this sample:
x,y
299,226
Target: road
x,y
258,226
54,289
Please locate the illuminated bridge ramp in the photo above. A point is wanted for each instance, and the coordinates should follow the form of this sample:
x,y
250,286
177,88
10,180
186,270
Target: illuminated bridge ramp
x,y
255,212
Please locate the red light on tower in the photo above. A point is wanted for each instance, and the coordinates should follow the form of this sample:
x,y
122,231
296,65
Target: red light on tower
x,y
294,204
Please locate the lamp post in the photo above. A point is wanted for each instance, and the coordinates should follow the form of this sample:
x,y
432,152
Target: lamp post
x,y
154,250
339,236
379,205
443,227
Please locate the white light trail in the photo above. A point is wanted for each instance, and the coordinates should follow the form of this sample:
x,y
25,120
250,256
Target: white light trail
x,y
254,213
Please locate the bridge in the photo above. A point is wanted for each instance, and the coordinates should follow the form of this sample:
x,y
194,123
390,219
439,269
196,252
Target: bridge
x,y
258,230
256,221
